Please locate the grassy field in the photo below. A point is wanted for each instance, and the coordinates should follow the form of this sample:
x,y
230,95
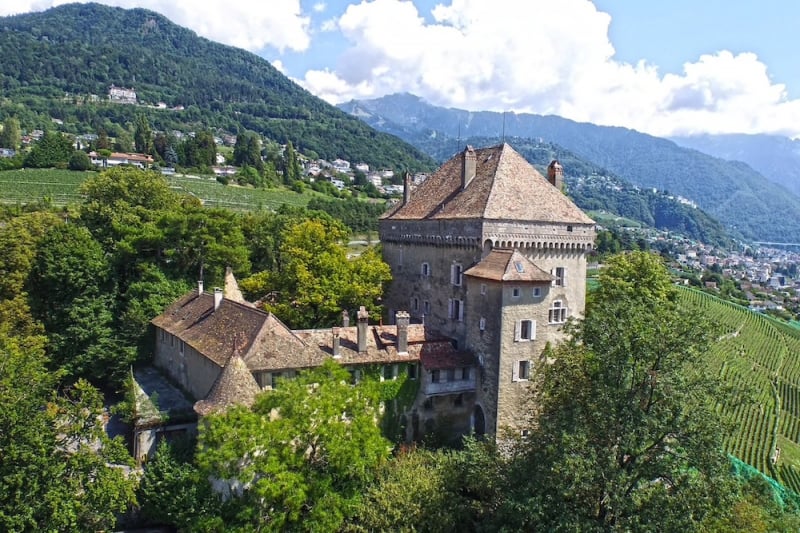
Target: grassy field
x,y
760,357
60,187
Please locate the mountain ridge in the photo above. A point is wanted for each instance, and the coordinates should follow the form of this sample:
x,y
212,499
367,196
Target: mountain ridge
x,y
742,199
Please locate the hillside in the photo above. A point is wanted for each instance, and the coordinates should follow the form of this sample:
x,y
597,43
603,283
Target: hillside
x,y
776,157
760,358
53,61
742,199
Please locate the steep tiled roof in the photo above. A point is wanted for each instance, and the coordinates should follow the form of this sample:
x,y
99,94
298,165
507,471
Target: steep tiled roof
x,y
508,265
505,187
235,385
193,320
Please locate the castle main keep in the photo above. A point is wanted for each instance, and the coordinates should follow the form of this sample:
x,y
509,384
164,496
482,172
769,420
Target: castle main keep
x,y
491,254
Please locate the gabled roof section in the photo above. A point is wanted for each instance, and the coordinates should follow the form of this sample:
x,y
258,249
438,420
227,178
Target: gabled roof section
x,y
505,187
508,265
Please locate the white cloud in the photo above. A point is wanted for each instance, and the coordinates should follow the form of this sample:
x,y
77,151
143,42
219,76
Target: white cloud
x,y
319,7
544,57
250,24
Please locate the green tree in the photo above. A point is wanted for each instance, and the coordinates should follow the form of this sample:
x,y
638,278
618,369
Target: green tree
x,y
247,150
143,136
70,289
626,434
315,280
79,160
51,150
290,165
10,136
304,454
174,492
58,468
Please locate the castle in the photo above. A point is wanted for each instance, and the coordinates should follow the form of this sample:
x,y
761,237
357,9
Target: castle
x,y
488,260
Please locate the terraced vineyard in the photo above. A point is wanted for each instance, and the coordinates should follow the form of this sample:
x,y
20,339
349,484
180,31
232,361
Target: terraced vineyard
x,y
760,357
60,187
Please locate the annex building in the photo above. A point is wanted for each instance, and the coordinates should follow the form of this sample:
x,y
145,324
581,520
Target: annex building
x,y
488,259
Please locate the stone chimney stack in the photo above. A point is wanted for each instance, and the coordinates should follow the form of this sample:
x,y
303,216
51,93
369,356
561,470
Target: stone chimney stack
x,y
217,297
336,345
199,287
363,320
469,167
402,320
555,174
406,187
345,319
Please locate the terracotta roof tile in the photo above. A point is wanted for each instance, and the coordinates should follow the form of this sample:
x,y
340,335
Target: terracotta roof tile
x,y
508,265
505,187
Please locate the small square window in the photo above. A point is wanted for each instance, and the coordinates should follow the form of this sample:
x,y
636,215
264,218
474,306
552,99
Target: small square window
x,y
515,292
537,292
425,270
426,307
435,376
415,304
412,371
465,373
525,433
482,324
483,288
569,228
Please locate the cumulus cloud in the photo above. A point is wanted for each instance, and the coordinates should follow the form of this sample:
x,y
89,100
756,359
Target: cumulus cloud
x,y
250,24
544,57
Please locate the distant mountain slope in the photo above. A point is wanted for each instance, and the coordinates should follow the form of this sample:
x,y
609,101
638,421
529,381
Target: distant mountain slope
x,y
776,158
54,59
596,189
738,196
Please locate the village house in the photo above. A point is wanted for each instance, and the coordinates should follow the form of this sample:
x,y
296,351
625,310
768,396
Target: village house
x,y
121,95
488,259
121,158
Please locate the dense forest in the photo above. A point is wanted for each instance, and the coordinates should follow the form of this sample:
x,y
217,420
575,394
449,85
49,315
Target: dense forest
x,y
53,61
732,192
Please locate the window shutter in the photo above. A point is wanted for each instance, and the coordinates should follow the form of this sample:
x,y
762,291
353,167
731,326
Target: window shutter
x,y
515,371
517,330
461,310
553,273
533,329
564,277
449,308
452,274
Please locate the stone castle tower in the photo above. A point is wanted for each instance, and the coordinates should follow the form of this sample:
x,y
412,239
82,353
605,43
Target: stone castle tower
x,y
492,254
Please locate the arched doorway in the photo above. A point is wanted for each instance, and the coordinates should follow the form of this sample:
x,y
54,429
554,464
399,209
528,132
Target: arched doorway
x,y
478,422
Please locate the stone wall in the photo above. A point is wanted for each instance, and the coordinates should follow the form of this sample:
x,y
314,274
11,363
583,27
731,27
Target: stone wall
x,y
193,372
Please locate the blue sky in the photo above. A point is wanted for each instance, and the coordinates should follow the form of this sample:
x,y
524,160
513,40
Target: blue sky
x,y
663,67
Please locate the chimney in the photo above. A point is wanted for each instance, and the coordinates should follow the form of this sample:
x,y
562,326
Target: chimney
x,y
555,174
363,319
406,187
345,319
336,351
217,297
469,166
199,287
402,319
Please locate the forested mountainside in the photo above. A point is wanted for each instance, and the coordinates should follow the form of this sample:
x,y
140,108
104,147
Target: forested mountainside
x,y
53,61
776,158
741,198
